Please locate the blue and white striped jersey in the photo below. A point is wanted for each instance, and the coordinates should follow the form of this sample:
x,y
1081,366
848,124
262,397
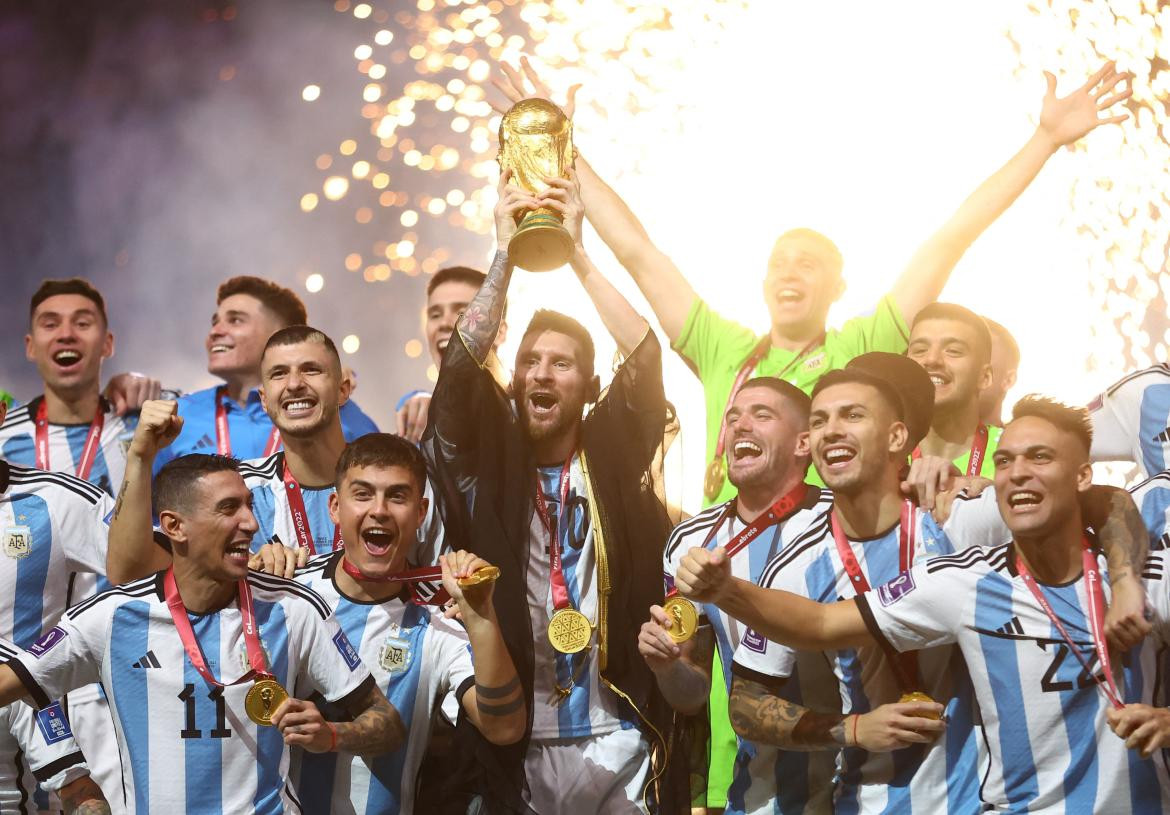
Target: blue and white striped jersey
x,y
66,443
806,776
1152,497
37,753
51,525
1131,420
265,478
943,777
188,747
591,708
419,659
1050,748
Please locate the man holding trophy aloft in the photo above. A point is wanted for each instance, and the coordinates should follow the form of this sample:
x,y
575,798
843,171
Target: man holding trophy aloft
x,y
573,500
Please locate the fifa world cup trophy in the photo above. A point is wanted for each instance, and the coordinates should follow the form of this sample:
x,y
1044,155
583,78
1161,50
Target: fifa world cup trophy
x,y
536,142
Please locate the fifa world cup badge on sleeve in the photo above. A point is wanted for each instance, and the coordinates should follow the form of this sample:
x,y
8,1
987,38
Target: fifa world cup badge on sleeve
x,y
394,655
17,541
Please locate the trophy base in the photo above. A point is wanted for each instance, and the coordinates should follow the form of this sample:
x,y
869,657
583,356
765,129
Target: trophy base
x,y
540,244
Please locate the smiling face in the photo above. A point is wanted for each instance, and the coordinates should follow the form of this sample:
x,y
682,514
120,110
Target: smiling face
x,y
766,439
803,280
947,350
855,436
549,385
445,305
1040,471
239,329
378,510
302,387
213,530
67,341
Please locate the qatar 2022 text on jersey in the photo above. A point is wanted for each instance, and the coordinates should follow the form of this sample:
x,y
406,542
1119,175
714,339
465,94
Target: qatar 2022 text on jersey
x,y
66,445
419,659
806,776
188,746
940,778
1131,420
1050,748
37,753
270,503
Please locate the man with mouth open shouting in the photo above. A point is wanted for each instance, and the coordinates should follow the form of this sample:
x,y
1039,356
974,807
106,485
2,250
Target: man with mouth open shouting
x,y
196,660
302,389
1027,617
571,508
416,656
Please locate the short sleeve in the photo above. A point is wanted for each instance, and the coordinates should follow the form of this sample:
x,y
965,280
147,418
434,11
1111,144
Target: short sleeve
x,y
882,330
709,342
453,664
1152,497
354,422
65,657
758,658
1156,581
87,535
328,658
918,608
976,522
1113,415
47,742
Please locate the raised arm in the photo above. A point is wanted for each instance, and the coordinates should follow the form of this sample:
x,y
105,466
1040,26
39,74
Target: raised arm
x,y
495,704
132,551
668,292
705,575
1062,122
624,324
681,669
1126,543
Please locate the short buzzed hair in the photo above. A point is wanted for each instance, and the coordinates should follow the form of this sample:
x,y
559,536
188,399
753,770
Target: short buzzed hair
x,y
999,332
792,395
382,450
959,314
281,302
1073,420
831,250
71,285
174,485
296,334
547,320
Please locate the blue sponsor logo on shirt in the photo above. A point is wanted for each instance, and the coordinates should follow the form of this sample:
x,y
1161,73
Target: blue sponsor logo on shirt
x,y
754,641
53,724
896,589
347,651
49,639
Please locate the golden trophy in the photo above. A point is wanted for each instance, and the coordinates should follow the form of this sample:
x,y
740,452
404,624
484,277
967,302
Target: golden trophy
x,y
536,142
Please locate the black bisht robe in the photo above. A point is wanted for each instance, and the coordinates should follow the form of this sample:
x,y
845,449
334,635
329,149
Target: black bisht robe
x,y
479,453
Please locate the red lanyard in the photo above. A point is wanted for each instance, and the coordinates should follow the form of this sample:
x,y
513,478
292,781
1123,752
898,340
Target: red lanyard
x,y
769,517
1096,614
411,576
178,611
560,591
223,436
749,365
93,441
300,518
978,451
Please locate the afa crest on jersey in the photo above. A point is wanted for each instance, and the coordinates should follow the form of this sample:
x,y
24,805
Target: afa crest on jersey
x,y
394,655
17,541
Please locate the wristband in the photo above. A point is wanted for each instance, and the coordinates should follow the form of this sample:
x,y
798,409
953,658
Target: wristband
x,y
332,737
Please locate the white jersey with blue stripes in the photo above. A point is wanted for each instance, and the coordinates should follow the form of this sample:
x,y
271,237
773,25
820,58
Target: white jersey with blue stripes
x,y
940,778
265,478
1051,750
67,442
1131,420
419,659
37,753
765,779
188,746
1152,497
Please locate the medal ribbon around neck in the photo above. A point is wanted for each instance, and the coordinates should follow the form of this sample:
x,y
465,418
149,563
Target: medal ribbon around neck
x,y
560,591
975,457
93,440
427,574
223,436
300,518
905,665
1095,599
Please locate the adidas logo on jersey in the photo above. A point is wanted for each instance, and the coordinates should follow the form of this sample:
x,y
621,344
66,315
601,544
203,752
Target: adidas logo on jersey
x,y
205,441
1012,627
149,660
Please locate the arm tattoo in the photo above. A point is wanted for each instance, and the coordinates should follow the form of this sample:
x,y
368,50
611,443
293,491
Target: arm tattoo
x,y
481,319
121,496
761,716
1120,530
83,797
376,729
488,699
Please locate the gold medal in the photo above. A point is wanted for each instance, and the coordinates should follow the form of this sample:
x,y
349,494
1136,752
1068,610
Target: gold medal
x,y
569,631
683,616
263,698
484,574
713,479
919,696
